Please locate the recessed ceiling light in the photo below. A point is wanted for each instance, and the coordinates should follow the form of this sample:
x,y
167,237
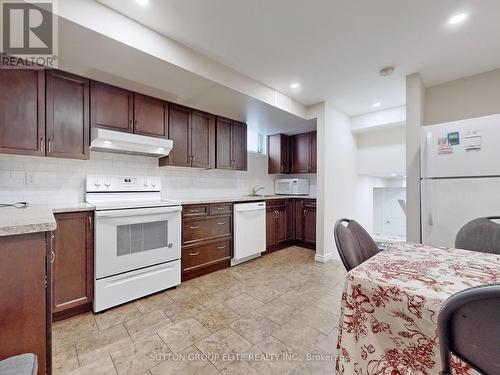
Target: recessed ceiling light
x,y
142,2
377,104
295,85
457,18
394,174
404,176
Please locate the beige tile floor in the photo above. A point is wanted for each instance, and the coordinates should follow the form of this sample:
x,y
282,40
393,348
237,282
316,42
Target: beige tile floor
x,y
274,315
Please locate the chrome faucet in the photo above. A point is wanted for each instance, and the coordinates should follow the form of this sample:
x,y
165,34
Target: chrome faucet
x,y
257,189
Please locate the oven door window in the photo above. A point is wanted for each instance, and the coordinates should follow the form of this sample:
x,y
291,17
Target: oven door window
x,y
138,238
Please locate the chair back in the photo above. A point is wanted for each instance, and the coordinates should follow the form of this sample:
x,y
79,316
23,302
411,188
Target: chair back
x,y
481,235
469,327
354,243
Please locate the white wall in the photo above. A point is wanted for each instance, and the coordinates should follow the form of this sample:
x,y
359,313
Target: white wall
x,y
414,120
42,180
474,96
382,153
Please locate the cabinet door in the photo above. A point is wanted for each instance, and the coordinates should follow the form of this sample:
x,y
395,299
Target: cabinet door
x,y
270,227
179,132
300,153
150,116
289,217
310,225
73,266
111,107
202,140
23,309
282,225
67,109
240,151
22,112
278,154
313,156
224,144
299,219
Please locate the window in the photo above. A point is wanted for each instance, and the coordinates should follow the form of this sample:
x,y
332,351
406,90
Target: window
x,y
256,142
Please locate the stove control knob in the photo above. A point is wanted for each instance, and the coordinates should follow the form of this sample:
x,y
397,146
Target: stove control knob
x,y
170,245
145,184
107,184
153,184
97,183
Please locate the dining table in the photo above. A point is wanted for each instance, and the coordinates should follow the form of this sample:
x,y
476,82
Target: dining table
x,y
390,306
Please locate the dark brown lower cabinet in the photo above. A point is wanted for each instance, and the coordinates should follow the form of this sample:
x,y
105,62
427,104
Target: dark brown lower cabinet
x,y
279,230
207,238
73,264
25,322
305,222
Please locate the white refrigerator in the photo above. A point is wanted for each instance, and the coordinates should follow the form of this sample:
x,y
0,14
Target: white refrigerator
x,y
460,169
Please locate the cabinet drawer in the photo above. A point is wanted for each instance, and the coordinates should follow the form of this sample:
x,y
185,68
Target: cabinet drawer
x,y
221,209
199,256
195,230
276,203
196,210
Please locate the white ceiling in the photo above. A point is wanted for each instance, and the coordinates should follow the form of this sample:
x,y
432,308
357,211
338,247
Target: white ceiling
x,y
334,48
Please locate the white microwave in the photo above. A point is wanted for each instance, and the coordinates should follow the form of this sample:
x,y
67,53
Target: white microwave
x,y
291,186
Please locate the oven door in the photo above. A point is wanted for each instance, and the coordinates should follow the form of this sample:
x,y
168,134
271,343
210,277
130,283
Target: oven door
x,y
131,239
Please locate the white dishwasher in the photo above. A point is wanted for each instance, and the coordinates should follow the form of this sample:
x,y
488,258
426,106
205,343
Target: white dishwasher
x,y
249,231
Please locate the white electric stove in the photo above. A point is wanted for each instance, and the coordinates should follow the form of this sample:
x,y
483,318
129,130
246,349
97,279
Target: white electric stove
x,y
137,239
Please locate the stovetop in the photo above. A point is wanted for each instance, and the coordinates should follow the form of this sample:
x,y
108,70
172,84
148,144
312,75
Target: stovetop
x,y
125,192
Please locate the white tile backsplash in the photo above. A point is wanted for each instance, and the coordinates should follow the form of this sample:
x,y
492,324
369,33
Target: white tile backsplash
x,y
51,180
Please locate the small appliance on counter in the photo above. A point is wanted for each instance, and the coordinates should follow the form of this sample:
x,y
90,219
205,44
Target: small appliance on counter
x,y
291,186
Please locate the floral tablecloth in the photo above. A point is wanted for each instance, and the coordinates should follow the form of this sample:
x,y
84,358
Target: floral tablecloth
x,y
391,303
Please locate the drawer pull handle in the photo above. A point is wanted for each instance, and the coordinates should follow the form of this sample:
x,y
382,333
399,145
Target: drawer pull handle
x,y
222,223
221,208
193,211
221,247
194,254
196,227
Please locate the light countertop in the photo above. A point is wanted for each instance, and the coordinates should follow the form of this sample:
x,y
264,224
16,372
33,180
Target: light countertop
x,y
246,198
35,218
40,217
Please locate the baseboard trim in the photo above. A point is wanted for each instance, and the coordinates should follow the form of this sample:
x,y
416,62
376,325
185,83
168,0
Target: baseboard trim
x,y
323,258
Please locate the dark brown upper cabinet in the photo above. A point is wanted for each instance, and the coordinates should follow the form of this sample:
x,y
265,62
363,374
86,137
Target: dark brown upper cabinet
x,y
231,139
278,150
303,155
111,107
313,162
67,111
202,140
193,134
150,116
240,150
22,112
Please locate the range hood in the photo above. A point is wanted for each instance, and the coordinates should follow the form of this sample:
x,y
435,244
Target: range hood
x,y
127,143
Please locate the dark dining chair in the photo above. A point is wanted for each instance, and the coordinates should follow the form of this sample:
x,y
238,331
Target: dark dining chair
x,y
469,327
354,243
481,234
